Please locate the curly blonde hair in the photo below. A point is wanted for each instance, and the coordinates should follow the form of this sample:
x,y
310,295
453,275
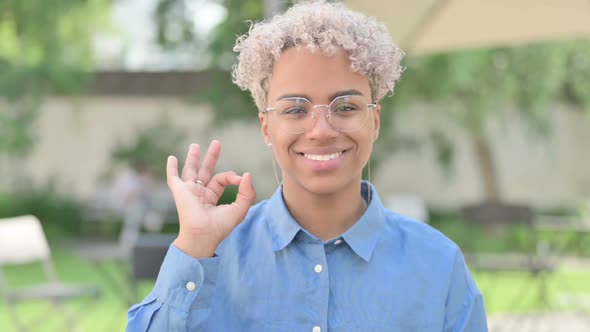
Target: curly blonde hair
x,y
323,26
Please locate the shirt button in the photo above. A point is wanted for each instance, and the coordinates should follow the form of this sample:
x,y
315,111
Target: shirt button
x,y
318,269
337,242
316,329
191,286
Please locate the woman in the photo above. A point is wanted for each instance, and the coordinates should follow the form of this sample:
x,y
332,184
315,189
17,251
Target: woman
x,y
322,254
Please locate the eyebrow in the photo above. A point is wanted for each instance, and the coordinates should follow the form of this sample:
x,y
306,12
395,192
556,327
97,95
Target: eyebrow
x,y
350,92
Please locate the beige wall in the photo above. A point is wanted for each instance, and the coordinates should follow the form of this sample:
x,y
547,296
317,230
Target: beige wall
x,y
76,139
546,172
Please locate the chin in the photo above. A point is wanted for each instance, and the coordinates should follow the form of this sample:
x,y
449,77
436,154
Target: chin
x,y
325,185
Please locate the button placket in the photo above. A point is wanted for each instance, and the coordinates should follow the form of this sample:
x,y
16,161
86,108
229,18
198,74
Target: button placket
x,y
319,264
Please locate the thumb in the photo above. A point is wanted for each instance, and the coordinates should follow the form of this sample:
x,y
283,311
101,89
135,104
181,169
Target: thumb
x,y
246,196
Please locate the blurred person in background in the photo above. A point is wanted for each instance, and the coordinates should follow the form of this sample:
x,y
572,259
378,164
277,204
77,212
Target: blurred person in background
x,y
133,199
131,186
322,254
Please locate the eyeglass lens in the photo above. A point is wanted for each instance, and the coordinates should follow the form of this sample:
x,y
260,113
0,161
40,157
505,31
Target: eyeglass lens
x,y
346,113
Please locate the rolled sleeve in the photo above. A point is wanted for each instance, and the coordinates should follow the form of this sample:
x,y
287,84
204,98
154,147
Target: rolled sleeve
x,y
184,283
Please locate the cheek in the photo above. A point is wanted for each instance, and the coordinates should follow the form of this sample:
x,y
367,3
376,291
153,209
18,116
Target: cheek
x,y
282,143
273,134
368,136
366,144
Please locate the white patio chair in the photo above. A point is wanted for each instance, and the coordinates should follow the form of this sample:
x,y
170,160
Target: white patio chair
x,y
22,241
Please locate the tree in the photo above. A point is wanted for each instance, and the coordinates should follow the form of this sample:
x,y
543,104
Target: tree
x,y
474,85
44,48
231,103
471,86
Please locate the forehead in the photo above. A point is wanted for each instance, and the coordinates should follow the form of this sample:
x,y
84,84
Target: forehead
x,y
299,71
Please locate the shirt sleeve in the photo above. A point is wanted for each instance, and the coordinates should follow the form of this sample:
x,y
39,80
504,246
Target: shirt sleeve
x,y
464,311
183,292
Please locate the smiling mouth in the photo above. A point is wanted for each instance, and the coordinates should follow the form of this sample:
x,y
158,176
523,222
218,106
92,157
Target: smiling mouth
x,y
322,157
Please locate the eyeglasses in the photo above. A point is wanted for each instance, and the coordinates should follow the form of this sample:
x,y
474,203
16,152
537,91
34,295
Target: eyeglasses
x,y
296,115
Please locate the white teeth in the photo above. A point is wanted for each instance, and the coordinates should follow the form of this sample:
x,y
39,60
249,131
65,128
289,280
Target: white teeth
x,y
322,157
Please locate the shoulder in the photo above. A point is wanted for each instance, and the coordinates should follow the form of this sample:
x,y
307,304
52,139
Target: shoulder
x,y
423,251
420,238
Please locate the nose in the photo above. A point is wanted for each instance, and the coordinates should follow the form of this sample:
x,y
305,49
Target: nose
x,y
320,126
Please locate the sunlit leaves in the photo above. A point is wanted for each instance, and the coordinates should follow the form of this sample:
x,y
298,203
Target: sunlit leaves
x,y
44,48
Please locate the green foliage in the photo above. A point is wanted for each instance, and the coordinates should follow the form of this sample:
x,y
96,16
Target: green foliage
x,y
470,87
44,48
467,86
473,237
477,83
173,27
15,132
577,84
57,212
230,103
174,31
151,146
229,195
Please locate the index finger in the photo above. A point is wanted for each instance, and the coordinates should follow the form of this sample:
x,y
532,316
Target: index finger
x,y
171,169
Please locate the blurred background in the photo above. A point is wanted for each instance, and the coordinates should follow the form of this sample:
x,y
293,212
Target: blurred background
x,y
486,138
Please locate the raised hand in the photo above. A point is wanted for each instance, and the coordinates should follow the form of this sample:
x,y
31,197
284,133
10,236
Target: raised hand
x,y
203,223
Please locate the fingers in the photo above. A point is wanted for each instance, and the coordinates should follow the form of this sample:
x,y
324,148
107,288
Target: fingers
x,y
191,164
246,196
208,165
171,169
219,181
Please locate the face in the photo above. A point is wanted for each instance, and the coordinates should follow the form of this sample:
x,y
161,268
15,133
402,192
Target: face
x,y
321,160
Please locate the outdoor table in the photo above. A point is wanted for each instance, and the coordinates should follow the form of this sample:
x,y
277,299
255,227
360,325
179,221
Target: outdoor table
x,y
147,255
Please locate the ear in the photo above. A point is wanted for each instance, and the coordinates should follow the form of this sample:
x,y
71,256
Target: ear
x,y
262,117
377,124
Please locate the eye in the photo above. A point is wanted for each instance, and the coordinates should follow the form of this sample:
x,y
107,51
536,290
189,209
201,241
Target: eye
x,y
294,110
345,108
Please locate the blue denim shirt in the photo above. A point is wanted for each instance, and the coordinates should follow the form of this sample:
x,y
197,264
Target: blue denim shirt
x,y
386,273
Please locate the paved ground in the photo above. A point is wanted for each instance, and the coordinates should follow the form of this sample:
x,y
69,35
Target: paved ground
x,y
549,322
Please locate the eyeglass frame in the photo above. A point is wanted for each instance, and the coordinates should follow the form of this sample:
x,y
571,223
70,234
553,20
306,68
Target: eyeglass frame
x,y
372,106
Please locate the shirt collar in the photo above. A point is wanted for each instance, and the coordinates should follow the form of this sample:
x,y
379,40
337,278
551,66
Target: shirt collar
x,y
362,237
281,224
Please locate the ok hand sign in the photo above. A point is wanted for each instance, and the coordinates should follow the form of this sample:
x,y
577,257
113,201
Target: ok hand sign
x,y
203,223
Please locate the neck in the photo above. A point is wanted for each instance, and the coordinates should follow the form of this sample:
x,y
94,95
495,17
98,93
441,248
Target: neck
x,y
325,215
